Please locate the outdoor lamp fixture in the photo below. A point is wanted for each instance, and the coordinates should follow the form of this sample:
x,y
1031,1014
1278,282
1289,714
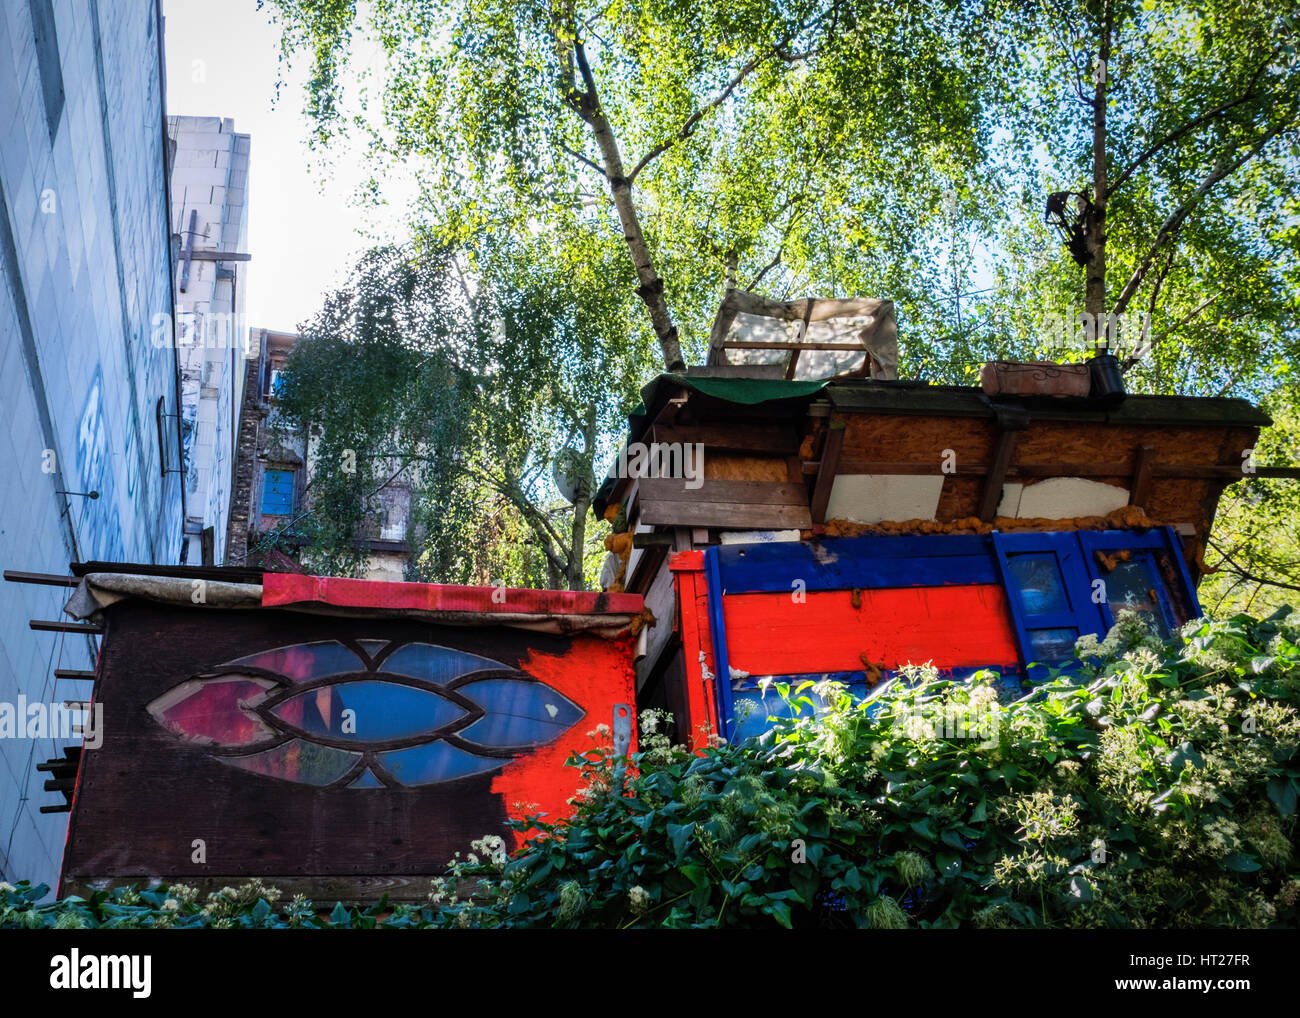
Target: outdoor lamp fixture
x,y
1072,233
82,494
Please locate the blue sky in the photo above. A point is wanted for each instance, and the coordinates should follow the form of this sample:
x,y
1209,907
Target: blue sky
x,y
303,229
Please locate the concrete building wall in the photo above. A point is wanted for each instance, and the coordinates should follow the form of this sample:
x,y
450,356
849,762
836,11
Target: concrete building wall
x,y
210,212
87,366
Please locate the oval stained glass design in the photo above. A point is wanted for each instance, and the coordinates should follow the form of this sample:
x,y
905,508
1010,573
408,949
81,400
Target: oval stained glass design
x,y
367,711
304,661
328,715
308,763
436,664
218,711
521,714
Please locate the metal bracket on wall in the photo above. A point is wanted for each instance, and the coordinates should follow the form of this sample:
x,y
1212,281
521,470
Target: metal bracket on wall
x,y
622,729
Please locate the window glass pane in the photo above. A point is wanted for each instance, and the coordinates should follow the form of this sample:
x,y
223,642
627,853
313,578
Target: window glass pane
x,y
520,714
1038,576
277,492
436,761
1048,645
1130,586
305,762
216,711
380,710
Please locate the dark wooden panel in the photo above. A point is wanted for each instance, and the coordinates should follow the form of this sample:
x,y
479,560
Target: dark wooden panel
x,y
730,515
779,440
674,489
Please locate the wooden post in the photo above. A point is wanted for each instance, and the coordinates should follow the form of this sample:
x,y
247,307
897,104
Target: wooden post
x,y
821,496
1140,487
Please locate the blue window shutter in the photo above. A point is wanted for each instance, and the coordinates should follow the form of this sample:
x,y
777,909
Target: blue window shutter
x,y
277,492
1049,589
1144,549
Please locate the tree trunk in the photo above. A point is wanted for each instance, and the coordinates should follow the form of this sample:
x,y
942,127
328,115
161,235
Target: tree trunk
x,y
1095,293
651,290
581,505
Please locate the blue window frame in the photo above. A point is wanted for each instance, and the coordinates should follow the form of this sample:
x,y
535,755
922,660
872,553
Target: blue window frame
x,y
277,493
1145,573
1050,591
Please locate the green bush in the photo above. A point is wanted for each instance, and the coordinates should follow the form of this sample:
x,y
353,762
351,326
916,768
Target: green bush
x,y
1154,786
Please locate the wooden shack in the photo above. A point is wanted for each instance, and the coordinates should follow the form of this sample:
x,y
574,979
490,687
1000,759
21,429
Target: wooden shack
x,y
339,738
846,528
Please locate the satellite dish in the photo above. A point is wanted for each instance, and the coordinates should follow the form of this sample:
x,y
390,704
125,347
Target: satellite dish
x,y
568,473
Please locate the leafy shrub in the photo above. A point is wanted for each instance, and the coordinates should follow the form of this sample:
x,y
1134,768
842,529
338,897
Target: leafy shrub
x,y
1155,786
1152,786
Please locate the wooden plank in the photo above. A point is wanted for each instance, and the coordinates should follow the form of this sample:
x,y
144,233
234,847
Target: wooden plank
x,y
776,439
45,579
844,563
770,634
997,474
46,626
794,344
1140,485
674,489
731,515
826,474
1232,472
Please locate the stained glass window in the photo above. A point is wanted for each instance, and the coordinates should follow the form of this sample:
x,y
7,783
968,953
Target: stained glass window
x,y
346,715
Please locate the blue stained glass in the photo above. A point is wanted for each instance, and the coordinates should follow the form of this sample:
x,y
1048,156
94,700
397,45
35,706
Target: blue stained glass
x,y
298,760
305,661
434,762
435,664
380,710
520,713
366,779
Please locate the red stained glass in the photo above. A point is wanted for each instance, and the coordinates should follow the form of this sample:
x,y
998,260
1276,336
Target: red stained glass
x,y
216,711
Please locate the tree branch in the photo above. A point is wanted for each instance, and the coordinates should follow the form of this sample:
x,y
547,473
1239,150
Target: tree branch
x,y
1169,229
1238,570
1142,351
1173,136
693,121
583,159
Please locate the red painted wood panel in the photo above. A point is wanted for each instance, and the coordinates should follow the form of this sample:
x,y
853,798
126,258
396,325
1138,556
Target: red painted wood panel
x,y
697,646
594,673
955,626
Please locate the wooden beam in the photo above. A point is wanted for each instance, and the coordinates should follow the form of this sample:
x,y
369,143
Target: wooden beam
x,y
997,474
45,626
776,439
1139,489
674,489
793,344
826,472
45,579
726,515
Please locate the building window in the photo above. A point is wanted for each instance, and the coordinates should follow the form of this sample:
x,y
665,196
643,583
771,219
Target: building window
x,y
277,493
